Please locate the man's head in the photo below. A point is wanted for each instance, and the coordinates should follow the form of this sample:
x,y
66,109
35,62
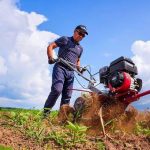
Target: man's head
x,y
79,32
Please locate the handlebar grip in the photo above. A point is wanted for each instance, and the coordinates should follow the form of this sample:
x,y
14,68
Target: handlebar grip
x,y
52,60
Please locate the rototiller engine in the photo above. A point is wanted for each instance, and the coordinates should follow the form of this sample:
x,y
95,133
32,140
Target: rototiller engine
x,y
119,79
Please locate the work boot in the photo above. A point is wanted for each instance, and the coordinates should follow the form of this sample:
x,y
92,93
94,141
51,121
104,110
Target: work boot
x,y
46,113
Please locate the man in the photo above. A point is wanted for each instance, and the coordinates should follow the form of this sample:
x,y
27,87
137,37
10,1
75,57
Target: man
x,y
63,76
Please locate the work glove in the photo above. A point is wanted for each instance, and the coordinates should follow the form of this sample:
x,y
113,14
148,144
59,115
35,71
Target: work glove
x,y
52,60
83,70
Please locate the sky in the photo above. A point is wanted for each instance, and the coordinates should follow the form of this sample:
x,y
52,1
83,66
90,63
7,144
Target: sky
x,y
116,28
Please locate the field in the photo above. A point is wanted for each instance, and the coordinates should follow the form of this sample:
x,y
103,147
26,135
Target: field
x,y
22,129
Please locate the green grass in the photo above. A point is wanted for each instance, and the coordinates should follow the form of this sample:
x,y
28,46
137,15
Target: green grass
x,y
101,145
5,148
6,109
141,129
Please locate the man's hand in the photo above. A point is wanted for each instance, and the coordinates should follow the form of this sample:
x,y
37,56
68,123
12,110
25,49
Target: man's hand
x,y
52,60
83,70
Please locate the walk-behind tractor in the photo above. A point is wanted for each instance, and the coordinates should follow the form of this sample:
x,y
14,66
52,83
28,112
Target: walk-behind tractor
x,y
119,79
122,87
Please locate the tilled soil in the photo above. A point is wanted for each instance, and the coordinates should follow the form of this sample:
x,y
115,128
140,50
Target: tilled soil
x,y
18,141
13,138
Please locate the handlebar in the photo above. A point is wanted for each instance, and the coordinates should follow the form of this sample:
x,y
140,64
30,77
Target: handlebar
x,y
73,67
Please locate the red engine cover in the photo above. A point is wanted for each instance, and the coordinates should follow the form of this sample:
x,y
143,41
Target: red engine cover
x,y
124,87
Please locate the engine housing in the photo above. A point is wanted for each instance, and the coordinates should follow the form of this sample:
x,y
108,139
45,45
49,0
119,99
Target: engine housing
x,y
119,76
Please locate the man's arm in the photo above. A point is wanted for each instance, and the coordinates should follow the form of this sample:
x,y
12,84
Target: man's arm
x,y
78,65
50,50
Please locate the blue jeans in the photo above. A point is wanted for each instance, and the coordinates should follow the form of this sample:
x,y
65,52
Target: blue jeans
x,y
62,82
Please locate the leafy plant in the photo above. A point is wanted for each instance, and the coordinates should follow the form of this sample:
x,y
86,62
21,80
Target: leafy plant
x,y
29,123
58,137
101,145
36,131
142,130
16,118
77,133
35,128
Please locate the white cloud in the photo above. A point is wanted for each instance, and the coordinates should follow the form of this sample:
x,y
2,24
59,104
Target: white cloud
x,y
141,51
3,68
24,73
